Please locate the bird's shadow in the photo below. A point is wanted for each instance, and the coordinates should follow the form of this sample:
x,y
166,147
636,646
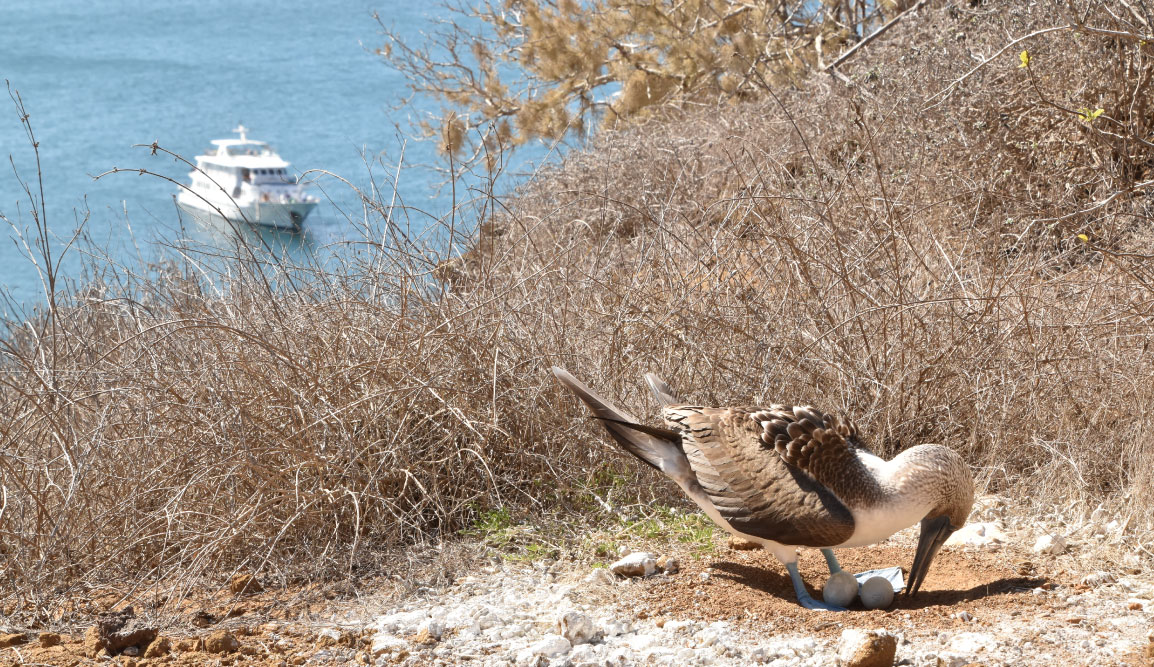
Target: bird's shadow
x,y
779,585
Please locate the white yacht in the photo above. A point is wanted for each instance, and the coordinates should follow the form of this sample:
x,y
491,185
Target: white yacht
x,y
245,181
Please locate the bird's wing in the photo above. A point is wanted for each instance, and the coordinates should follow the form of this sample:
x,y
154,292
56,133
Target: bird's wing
x,y
755,488
824,446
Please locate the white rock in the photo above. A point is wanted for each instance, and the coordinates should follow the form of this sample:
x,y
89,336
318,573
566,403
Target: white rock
x,y
384,642
329,633
803,648
677,626
600,577
549,646
637,564
706,637
583,654
435,628
972,642
614,627
402,622
639,642
1098,578
577,628
947,659
978,535
1050,544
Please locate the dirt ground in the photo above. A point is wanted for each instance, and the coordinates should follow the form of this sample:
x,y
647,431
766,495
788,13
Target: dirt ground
x,y
995,588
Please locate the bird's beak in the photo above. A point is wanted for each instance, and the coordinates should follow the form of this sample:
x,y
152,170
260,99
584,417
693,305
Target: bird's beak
x,y
934,534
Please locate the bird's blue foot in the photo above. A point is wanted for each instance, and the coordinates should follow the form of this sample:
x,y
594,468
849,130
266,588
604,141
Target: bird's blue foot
x,y
831,560
809,603
803,596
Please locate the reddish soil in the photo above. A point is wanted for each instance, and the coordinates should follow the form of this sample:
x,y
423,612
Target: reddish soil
x,y
752,586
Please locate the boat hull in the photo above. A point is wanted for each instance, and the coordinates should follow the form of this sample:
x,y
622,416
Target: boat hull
x,y
277,215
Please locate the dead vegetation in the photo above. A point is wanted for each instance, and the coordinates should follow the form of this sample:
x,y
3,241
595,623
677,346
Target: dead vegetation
x,y
949,252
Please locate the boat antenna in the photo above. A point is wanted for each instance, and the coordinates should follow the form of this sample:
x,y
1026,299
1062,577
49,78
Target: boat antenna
x,y
241,129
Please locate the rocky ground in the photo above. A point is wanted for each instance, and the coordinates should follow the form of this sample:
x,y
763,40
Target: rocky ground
x,y
1015,592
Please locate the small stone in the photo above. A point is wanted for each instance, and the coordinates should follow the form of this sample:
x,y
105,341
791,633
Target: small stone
x,y
861,648
49,639
616,627
582,654
221,641
115,631
1135,606
202,619
668,565
678,626
433,628
640,642
550,646
1050,544
15,639
978,535
244,584
577,628
131,651
637,564
741,544
1098,578
600,577
161,646
383,643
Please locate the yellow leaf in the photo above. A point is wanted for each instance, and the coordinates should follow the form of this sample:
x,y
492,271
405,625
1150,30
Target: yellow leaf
x,y
1084,238
1024,56
1088,115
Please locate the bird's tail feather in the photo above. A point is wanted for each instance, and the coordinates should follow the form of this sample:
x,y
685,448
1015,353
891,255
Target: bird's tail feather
x,y
664,394
659,447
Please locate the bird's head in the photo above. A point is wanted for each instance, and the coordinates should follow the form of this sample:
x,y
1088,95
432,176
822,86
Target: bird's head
x,y
943,478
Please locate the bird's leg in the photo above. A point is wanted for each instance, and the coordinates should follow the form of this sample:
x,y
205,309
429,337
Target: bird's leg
x,y
831,560
803,596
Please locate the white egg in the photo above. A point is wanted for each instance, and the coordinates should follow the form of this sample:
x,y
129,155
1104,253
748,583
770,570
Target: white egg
x,y
877,593
840,589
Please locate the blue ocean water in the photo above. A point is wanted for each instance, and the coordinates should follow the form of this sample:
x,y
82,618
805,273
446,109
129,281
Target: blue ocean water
x,y
97,76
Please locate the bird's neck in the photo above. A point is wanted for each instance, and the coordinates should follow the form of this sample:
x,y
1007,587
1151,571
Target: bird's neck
x,y
901,501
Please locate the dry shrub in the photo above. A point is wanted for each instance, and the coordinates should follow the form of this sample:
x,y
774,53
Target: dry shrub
x,y
906,256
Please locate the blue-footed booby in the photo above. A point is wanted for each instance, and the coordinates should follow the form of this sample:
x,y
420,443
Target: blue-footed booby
x,y
788,477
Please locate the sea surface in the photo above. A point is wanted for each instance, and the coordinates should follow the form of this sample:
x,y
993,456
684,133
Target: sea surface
x,y
98,76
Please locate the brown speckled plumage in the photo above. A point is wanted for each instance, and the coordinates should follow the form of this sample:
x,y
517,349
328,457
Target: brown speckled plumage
x,y
822,445
751,484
